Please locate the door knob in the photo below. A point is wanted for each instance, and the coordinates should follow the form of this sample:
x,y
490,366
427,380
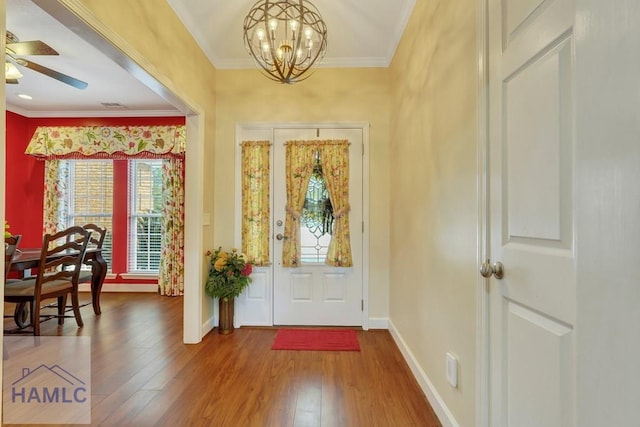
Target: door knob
x,y
497,269
279,236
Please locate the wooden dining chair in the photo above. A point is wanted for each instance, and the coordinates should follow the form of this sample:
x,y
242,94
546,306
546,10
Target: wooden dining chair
x,y
57,277
10,248
98,235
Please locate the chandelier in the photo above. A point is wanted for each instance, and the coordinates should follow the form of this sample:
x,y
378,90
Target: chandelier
x,y
285,38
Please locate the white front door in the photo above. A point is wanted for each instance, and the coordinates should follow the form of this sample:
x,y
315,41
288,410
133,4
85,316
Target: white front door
x,y
314,293
532,309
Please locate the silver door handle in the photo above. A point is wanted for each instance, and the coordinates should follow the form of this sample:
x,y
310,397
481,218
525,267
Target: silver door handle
x,y
497,269
279,236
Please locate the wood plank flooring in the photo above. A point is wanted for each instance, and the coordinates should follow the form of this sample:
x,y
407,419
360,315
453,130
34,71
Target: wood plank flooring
x,y
143,375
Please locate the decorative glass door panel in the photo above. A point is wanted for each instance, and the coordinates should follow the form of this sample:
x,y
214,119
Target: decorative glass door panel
x,y
316,219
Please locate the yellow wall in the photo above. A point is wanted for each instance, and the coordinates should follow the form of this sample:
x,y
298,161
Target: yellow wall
x,y
433,202
423,203
330,95
150,29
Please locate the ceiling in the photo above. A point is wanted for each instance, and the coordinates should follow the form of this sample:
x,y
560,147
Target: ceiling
x,y
368,33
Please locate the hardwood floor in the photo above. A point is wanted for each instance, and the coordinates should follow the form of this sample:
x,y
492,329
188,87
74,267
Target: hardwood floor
x,y
142,374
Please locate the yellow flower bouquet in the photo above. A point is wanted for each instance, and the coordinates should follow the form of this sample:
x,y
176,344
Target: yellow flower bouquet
x,y
229,273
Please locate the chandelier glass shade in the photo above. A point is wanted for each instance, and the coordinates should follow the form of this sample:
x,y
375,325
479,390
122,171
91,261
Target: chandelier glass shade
x,y
286,39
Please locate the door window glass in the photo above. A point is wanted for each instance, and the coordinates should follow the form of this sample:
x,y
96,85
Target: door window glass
x,y
316,218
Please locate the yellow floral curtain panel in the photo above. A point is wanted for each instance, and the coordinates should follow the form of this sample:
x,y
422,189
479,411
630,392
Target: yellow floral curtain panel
x,y
299,165
334,158
299,159
256,229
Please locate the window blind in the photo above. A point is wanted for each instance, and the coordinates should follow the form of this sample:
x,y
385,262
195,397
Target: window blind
x,y
88,197
145,225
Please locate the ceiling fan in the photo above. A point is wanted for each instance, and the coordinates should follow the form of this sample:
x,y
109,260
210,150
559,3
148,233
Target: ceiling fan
x,y
15,49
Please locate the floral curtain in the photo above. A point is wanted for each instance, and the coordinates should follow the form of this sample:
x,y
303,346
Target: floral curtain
x,y
256,171
95,142
54,193
299,165
334,157
106,142
171,274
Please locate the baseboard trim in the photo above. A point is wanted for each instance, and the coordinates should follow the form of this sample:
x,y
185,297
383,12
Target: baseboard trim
x,y
437,403
208,326
121,287
378,323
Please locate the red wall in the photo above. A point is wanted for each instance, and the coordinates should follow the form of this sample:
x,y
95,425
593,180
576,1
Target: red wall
x,y
24,181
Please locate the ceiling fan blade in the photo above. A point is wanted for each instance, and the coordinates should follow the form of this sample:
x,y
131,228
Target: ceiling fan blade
x,y
33,47
52,73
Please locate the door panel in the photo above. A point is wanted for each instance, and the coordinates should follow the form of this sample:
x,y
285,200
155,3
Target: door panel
x,y
314,293
532,309
539,356
517,12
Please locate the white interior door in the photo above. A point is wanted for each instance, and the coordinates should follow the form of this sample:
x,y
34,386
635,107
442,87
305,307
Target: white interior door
x,y
532,308
314,293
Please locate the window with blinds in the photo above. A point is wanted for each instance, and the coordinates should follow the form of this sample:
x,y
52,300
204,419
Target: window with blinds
x,y
145,216
88,197
88,189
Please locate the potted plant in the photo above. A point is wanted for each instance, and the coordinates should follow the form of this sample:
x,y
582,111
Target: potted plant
x,y
229,275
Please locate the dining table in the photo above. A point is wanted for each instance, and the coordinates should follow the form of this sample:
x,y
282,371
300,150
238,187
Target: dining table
x,y
29,258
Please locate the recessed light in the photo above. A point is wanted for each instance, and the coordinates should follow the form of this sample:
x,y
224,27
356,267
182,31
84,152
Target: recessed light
x,y
24,96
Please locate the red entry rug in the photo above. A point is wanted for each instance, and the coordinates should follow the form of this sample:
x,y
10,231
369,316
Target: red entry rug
x,y
316,339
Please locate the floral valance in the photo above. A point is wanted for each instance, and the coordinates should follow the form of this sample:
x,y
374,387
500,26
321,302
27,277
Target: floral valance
x,y
61,142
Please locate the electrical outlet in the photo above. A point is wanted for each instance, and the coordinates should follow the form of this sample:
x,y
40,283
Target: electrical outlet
x,y
452,370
